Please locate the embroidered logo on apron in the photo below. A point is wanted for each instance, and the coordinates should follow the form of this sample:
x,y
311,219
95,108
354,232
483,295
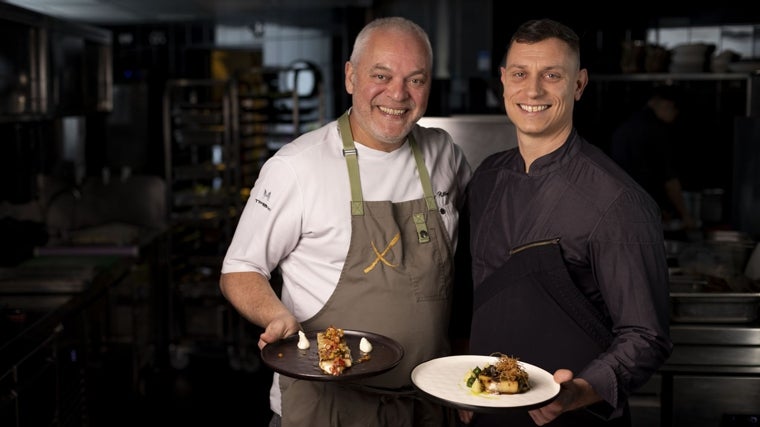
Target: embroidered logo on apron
x,y
380,256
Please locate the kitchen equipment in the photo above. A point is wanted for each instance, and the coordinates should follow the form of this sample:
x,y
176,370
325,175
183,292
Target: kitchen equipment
x,y
688,283
714,370
732,246
752,269
714,307
54,274
722,256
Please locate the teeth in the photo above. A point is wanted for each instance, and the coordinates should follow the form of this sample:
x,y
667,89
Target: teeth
x,y
533,108
395,112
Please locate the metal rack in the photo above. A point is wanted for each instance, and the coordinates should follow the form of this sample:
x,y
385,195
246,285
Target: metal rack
x,y
274,106
217,136
203,189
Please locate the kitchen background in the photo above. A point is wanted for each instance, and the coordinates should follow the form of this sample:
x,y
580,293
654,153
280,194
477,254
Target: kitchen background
x,y
131,132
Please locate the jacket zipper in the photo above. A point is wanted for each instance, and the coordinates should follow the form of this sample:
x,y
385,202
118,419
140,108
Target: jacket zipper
x,y
520,248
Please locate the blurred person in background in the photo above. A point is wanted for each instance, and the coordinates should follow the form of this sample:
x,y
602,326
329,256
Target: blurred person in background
x,y
645,146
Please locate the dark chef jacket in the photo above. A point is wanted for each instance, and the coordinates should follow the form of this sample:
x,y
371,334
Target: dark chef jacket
x,y
611,243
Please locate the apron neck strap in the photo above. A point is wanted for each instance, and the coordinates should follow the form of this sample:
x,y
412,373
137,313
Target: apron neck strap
x,y
352,163
427,187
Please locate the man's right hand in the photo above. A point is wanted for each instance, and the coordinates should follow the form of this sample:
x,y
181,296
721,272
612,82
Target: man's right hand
x,y
279,328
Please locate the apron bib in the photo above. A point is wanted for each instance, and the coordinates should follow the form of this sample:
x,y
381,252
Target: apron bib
x,y
396,281
564,330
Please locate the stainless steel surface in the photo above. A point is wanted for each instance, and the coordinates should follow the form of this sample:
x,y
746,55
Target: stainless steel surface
x,y
721,359
745,335
33,279
478,135
60,274
714,307
703,400
746,199
714,371
715,348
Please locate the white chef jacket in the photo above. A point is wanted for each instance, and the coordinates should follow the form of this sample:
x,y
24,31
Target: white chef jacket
x,y
298,214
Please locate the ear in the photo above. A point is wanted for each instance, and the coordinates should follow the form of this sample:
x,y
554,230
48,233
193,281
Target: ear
x,y
502,74
503,79
349,79
581,83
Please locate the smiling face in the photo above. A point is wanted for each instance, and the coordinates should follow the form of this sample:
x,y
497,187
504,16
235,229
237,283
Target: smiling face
x,y
390,85
542,81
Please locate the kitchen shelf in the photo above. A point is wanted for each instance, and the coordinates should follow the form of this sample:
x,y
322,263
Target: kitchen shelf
x,y
274,106
203,180
749,80
670,76
217,136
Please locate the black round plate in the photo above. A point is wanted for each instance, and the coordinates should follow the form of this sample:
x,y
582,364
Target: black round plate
x,y
286,358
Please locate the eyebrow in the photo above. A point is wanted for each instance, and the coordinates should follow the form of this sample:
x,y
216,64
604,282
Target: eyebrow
x,y
380,67
548,67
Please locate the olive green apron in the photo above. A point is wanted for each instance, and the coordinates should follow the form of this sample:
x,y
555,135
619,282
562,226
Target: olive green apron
x,y
397,282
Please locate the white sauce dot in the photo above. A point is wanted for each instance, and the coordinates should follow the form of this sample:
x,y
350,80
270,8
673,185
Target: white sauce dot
x,y
303,342
364,345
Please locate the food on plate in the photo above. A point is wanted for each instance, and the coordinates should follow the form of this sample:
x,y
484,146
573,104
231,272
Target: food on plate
x,y
364,345
303,342
505,376
334,353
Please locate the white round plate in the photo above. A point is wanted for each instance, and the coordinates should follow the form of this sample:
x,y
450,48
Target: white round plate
x,y
445,379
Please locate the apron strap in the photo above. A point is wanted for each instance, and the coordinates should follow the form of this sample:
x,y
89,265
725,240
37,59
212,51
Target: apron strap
x,y
427,187
352,162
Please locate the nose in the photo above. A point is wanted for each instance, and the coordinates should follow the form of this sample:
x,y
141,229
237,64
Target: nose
x,y
397,90
533,86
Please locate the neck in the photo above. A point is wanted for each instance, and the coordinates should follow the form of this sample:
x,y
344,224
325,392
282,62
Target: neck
x,y
533,147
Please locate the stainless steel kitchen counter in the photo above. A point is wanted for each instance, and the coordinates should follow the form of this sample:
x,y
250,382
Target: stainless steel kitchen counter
x,y
714,372
72,309
41,311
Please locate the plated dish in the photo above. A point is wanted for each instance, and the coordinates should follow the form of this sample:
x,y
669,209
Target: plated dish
x,y
286,358
444,379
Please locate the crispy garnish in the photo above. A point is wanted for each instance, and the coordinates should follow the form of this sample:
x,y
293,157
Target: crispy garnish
x,y
509,369
505,376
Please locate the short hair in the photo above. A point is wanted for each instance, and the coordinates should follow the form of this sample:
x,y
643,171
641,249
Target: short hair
x,y
537,30
395,23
